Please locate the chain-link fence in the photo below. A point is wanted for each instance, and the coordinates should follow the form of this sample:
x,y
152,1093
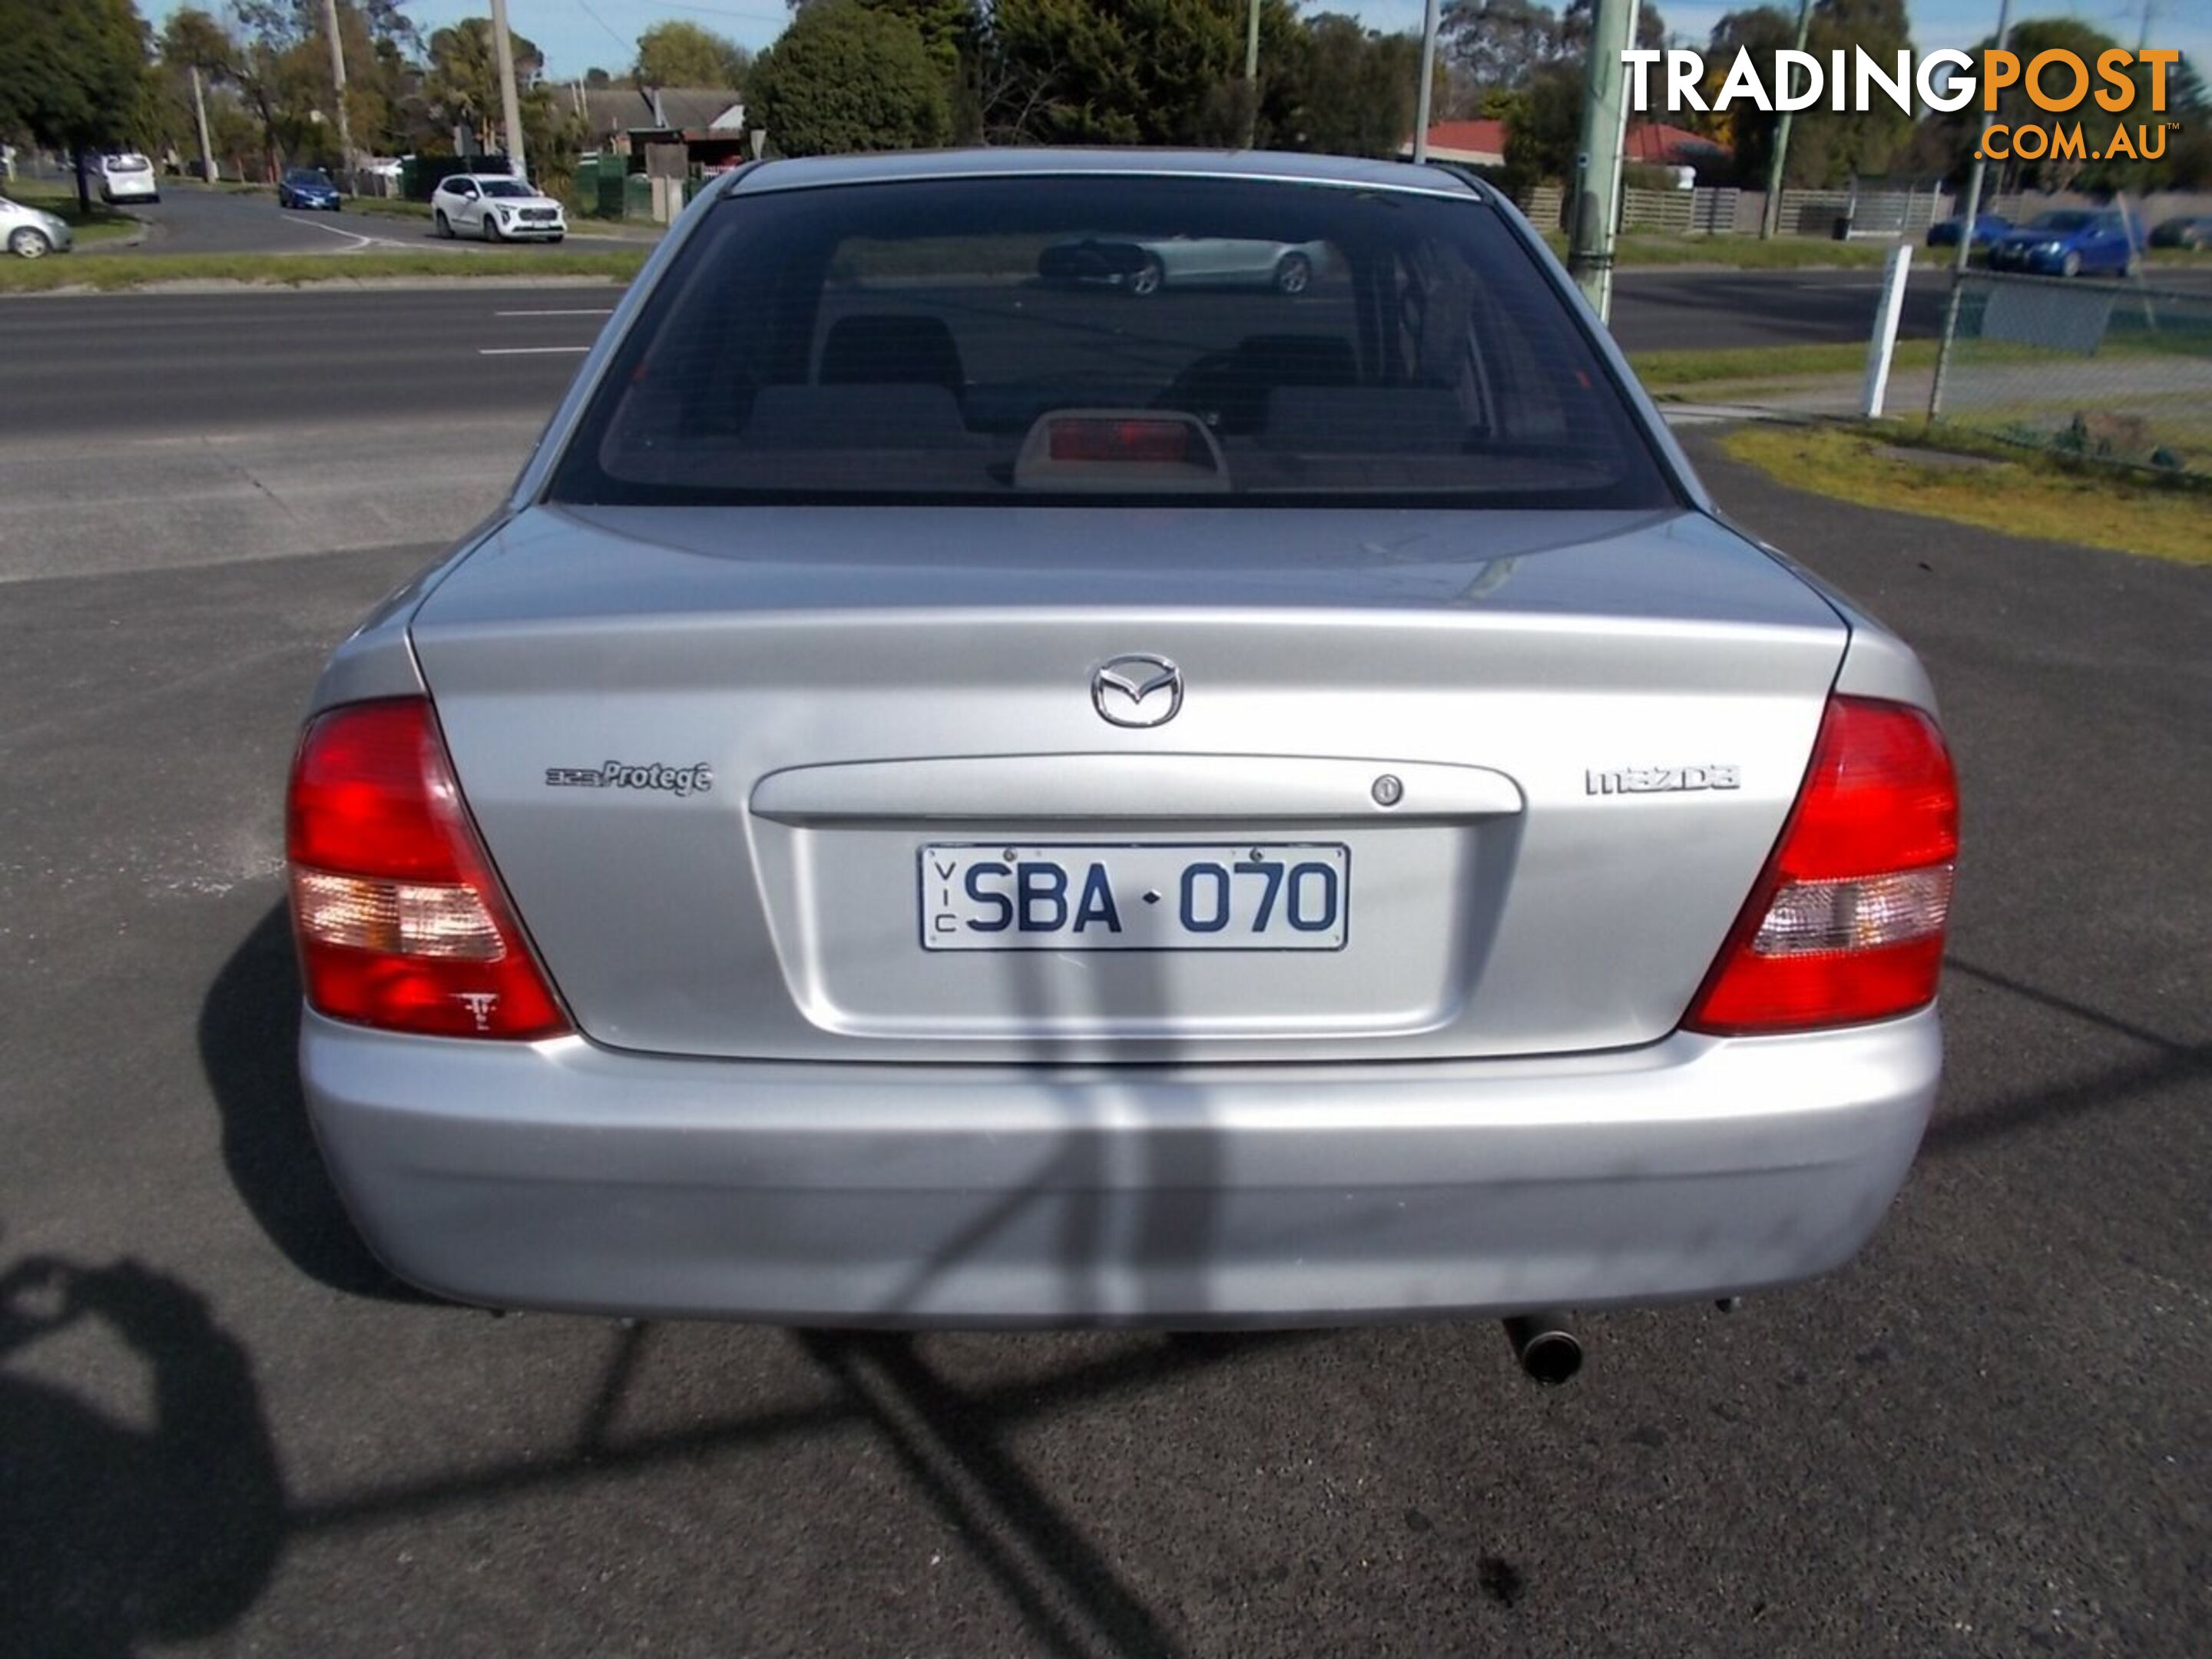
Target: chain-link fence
x,y
2119,370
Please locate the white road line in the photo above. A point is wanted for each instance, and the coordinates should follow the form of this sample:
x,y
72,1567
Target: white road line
x,y
609,311
358,241
528,351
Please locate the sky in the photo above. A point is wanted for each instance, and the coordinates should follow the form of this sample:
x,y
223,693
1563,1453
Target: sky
x,y
577,34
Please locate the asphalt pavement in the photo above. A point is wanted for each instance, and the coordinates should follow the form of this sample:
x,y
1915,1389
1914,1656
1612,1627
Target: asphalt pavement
x,y
191,218
185,363
221,1426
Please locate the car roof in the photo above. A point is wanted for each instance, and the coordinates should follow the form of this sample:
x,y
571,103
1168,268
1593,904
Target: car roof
x,y
1259,166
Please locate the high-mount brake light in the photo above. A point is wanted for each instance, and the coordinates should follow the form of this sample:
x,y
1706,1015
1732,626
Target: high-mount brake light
x,y
401,922
1080,438
1847,920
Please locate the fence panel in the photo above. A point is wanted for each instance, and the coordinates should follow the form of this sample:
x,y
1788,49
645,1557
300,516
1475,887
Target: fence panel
x,y
1669,210
1712,211
2115,370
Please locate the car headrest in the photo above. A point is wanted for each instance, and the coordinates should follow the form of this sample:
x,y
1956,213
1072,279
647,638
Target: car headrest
x,y
892,414
1372,420
889,348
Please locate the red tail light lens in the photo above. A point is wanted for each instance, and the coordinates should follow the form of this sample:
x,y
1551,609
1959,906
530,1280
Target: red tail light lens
x,y
1847,923
1082,438
401,922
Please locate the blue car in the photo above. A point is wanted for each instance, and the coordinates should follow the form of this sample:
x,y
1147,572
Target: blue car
x,y
308,187
1944,232
2068,242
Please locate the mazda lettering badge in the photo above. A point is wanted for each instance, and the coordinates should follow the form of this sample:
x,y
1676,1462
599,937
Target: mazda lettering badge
x,y
1137,690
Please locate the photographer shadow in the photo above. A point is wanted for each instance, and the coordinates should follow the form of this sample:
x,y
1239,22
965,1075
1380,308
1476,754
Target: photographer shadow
x,y
249,1042
111,1533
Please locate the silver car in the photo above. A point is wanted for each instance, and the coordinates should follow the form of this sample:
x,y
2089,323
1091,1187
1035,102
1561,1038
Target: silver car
x,y
1145,266
30,233
939,800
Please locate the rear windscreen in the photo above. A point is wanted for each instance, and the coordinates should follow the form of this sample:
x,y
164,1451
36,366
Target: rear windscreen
x,y
1033,338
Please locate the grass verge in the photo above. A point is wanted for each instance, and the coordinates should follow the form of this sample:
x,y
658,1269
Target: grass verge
x,y
391,207
131,270
2045,496
1669,371
1747,252
102,224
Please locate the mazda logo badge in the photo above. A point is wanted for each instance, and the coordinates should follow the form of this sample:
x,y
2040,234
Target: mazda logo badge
x,y
1137,690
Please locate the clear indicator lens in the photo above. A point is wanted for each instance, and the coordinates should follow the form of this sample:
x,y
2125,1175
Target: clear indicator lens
x,y
1824,918
400,918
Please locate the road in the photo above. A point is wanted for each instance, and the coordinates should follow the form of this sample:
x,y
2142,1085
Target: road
x,y
171,362
166,362
192,219
221,1424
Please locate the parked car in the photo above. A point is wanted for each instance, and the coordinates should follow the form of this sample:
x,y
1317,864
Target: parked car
x,y
496,208
128,177
2184,230
30,233
2068,242
927,809
1147,267
308,187
1987,226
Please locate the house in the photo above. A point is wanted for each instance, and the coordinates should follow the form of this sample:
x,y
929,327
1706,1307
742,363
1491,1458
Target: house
x,y
1472,143
1482,144
709,122
1654,144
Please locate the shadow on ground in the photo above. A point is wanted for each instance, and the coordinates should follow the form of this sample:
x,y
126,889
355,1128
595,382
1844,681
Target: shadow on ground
x,y
249,1038
111,1533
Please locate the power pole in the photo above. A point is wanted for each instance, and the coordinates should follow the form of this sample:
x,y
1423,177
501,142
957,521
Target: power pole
x,y
199,109
1969,211
1769,219
337,79
1597,169
1252,75
1973,205
1427,91
510,105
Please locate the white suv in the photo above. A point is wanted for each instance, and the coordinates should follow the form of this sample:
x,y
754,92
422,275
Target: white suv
x,y
127,177
496,208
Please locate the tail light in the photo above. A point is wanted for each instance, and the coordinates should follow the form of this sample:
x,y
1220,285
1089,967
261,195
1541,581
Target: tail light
x,y
1847,921
401,922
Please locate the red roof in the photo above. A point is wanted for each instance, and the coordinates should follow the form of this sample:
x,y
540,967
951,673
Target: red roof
x,y
1476,137
1655,142
1652,142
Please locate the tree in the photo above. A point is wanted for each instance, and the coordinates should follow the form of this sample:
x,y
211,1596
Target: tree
x,y
679,54
1543,128
196,54
280,65
846,76
1500,43
1355,88
1136,72
462,84
72,74
1947,139
1745,129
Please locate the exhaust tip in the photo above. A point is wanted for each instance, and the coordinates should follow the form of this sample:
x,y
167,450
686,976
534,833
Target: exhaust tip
x,y
1546,1347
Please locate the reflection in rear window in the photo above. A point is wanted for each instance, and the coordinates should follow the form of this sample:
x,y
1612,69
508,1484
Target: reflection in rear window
x,y
1039,338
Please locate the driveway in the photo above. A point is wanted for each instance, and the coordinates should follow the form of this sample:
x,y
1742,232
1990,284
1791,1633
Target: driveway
x,y
222,1426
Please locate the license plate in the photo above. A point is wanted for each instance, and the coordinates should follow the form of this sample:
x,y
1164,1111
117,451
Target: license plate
x,y
1147,896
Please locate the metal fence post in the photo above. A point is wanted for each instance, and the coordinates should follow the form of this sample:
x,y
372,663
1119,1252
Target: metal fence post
x,y
1943,346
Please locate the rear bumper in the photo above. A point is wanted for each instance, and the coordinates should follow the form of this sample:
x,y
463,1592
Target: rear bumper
x,y
563,1176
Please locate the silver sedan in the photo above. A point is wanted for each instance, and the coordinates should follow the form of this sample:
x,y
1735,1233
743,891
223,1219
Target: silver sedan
x,y
943,801
30,232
